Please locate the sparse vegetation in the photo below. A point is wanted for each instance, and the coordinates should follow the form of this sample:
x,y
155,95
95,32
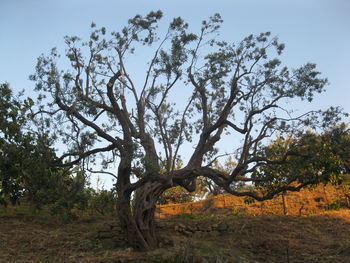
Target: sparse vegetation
x,y
337,204
321,237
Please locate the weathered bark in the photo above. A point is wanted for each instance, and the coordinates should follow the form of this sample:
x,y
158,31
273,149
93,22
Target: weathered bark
x,y
137,221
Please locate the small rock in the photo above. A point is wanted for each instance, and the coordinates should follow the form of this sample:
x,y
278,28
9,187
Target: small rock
x,y
182,226
222,227
191,229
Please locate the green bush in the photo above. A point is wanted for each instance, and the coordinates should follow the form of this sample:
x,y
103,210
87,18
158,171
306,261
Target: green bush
x,y
336,204
103,201
69,196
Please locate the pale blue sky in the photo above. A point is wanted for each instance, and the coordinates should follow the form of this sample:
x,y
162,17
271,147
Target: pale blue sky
x,y
313,31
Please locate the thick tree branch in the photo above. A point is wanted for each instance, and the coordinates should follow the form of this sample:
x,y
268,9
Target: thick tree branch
x,y
59,161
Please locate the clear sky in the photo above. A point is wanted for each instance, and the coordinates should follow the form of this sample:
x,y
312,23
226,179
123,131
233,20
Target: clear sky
x,y
313,30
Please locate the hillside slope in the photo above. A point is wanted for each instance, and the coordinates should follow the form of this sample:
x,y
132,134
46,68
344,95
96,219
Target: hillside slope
x,y
307,201
223,229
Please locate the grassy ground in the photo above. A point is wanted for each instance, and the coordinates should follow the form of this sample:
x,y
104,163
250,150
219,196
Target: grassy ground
x,y
322,238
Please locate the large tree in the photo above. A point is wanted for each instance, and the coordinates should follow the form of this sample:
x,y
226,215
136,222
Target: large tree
x,y
195,89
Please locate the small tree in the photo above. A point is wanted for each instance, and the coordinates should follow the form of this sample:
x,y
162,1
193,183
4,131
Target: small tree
x,y
15,145
233,90
316,158
24,162
338,141
101,201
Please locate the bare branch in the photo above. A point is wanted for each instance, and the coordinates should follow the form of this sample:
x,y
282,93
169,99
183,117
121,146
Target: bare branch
x,y
81,156
102,172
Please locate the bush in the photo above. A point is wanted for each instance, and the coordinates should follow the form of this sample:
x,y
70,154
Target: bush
x,y
102,202
336,204
70,195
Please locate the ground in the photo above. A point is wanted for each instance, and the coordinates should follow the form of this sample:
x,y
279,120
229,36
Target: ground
x,y
222,229
322,238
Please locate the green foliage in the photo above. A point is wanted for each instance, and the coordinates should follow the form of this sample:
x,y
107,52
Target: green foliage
x,y
24,163
335,205
306,159
338,204
102,201
338,141
21,154
66,195
176,195
189,216
179,194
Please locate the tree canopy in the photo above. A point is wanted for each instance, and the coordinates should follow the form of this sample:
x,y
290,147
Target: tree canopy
x,y
312,159
196,89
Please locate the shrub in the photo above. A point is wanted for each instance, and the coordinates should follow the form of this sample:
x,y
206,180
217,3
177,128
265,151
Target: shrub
x,y
102,202
336,204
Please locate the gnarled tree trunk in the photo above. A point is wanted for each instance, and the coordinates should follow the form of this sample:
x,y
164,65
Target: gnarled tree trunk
x,y
137,221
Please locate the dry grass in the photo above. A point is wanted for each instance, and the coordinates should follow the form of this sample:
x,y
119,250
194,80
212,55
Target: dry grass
x,y
319,238
322,237
307,201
